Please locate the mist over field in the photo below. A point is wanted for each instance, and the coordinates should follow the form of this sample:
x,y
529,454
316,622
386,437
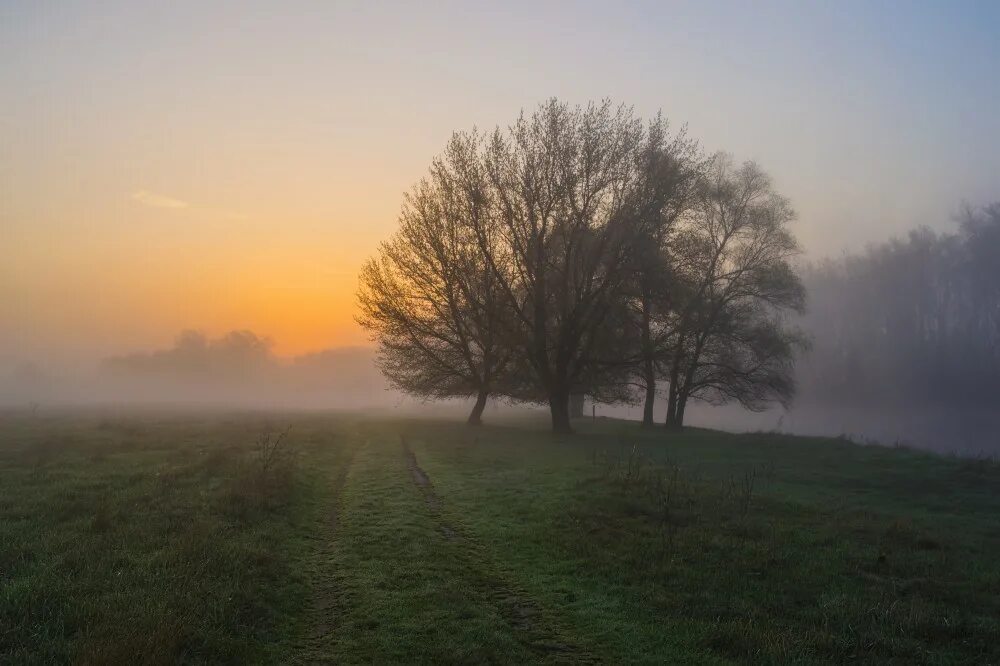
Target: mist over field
x,y
904,349
240,370
455,332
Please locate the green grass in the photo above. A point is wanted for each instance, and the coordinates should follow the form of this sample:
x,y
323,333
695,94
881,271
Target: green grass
x,y
157,538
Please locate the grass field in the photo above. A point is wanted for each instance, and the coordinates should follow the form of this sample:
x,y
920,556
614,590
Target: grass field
x,y
164,538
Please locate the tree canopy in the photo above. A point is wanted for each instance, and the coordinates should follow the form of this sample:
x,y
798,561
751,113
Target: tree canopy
x,y
583,250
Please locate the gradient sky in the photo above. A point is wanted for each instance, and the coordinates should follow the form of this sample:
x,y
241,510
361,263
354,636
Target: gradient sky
x,y
215,166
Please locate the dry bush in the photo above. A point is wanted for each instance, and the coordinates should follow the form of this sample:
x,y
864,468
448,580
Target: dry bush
x,y
265,477
676,496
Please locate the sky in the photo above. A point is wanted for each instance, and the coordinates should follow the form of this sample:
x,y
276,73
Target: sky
x,y
221,166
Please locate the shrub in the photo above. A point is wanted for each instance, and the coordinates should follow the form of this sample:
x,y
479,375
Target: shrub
x,y
266,477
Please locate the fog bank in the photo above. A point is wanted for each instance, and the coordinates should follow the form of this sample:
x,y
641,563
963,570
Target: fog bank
x,y
237,369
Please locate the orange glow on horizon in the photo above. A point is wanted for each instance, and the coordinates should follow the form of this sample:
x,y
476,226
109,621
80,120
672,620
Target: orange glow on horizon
x,y
167,167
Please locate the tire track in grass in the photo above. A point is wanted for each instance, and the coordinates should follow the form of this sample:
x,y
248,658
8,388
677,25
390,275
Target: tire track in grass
x,y
407,597
327,593
536,628
423,482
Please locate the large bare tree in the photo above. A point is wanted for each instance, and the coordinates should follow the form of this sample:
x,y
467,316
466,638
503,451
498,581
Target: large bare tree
x,y
584,251
433,309
568,214
733,256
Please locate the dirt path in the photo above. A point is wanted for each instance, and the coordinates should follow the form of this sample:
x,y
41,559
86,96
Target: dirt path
x,y
536,628
323,614
337,489
423,482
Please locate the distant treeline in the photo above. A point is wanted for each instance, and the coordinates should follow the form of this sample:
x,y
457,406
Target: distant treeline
x,y
584,251
240,368
909,322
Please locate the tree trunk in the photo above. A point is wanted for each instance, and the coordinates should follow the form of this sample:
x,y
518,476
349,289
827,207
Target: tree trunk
x,y
671,422
559,408
684,390
476,417
647,407
681,404
649,369
675,377
576,405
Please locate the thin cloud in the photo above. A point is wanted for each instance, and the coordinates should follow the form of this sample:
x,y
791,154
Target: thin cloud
x,y
154,200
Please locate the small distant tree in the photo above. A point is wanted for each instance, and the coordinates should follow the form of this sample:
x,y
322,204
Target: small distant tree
x,y
433,309
730,341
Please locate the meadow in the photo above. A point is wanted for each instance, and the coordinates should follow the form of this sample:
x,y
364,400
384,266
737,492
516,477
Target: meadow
x,y
349,538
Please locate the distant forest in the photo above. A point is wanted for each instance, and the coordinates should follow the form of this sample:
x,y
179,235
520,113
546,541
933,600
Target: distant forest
x,y
909,322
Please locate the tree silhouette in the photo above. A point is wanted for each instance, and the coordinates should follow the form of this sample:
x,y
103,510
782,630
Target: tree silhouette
x,y
433,309
585,251
573,198
733,257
